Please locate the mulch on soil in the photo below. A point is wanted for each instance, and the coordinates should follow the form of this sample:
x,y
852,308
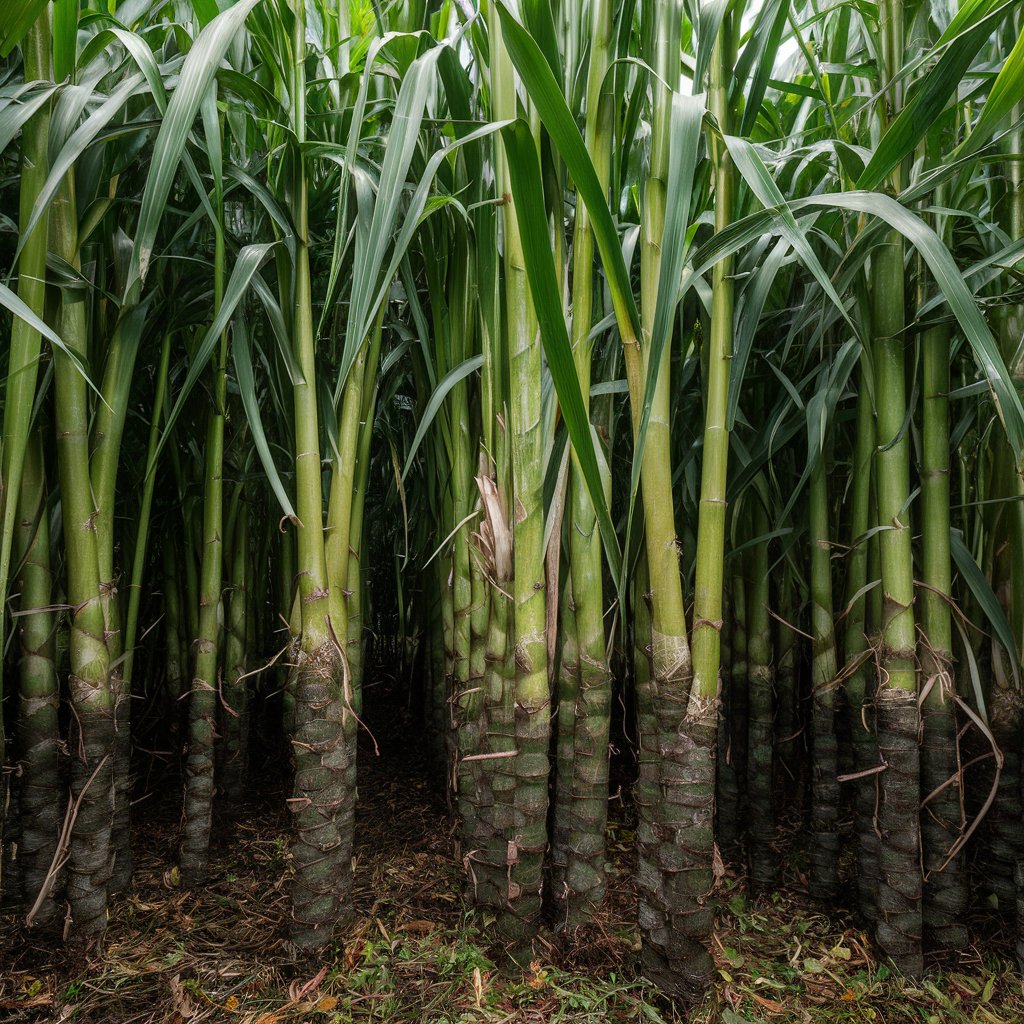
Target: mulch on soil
x,y
414,953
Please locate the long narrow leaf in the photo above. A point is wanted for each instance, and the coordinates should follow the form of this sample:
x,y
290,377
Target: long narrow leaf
x,y
1007,91
437,397
196,75
987,600
245,269
242,357
19,309
528,193
547,96
16,19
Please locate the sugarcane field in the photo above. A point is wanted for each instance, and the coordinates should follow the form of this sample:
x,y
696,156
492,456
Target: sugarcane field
x,y
512,511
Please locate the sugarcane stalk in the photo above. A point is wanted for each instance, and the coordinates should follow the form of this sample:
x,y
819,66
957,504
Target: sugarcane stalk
x,y
26,343
585,678
898,718
727,789
145,513
202,709
235,717
39,736
92,732
693,737
1005,848
824,881
787,720
942,821
760,722
322,878
858,687
526,836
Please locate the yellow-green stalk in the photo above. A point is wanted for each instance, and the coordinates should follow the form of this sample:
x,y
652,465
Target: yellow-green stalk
x,y
578,882
322,879
528,705
25,343
899,896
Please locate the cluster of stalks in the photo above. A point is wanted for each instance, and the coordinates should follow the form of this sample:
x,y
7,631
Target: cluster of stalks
x,y
571,357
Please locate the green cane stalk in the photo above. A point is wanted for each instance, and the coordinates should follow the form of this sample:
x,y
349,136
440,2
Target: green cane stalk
x,y
761,684
131,621
857,683
39,735
899,922
824,883
527,842
89,656
321,881
199,762
234,764
585,679
26,342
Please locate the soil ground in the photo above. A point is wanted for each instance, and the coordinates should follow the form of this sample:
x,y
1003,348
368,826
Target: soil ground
x,y
414,953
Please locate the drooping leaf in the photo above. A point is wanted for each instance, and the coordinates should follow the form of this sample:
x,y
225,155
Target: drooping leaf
x,y
437,397
1007,91
241,354
245,269
11,301
16,18
546,94
528,194
197,73
986,598
78,142
940,263
928,99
